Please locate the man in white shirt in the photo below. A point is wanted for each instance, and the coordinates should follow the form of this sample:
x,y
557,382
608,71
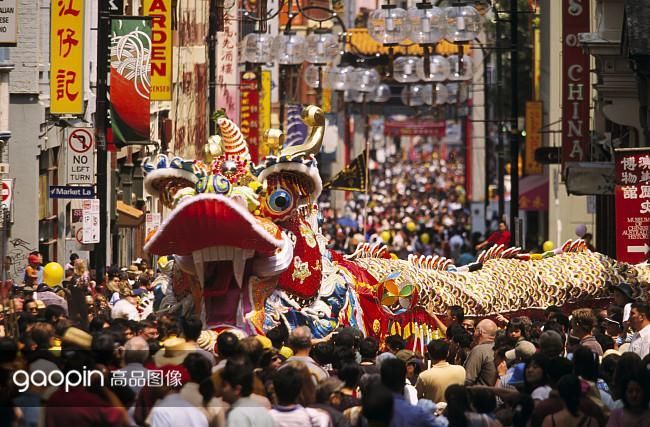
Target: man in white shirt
x,y
640,322
126,308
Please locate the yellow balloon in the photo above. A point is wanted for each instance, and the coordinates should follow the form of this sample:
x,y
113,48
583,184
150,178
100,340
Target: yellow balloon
x,y
425,238
411,227
53,274
548,246
385,236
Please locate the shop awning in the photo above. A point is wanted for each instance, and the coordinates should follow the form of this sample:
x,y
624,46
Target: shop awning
x,y
359,41
128,216
533,193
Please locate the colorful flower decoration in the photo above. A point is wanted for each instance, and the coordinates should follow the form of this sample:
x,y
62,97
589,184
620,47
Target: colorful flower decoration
x,y
396,298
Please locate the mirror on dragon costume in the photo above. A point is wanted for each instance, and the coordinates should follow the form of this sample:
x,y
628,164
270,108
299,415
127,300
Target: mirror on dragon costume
x,y
250,253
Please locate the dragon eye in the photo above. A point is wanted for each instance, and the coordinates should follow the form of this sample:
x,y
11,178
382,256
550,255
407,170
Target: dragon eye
x,y
221,184
280,201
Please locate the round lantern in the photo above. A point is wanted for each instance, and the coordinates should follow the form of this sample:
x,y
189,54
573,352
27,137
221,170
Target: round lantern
x,y
463,23
412,95
321,47
316,75
289,48
340,77
381,94
435,95
405,69
365,79
428,23
256,48
438,69
460,69
389,24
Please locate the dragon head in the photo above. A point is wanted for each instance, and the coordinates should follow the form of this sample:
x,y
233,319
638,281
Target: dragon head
x,y
244,231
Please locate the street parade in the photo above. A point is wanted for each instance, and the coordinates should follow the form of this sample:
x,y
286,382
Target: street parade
x,y
325,213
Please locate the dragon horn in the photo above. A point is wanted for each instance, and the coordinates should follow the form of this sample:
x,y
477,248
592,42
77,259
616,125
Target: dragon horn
x,y
313,117
234,143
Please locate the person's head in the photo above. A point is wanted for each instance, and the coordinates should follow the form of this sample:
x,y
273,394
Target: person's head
x,y
486,331
278,335
458,403
395,343
287,383
456,314
469,324
42,334
368,348
438,350
191,327
323,353
307,395
483,400
636,392
199,369
80,267
622,294
252,347
551,344
548,311
517,329
136,350
639,316
148,330
608,367
30,306
377,406
73,258
53,313
300,340
558,367
228,345
350,373
569,389
328,392
582,322
503,226
34,260
393,375
536,372
561,319
237,378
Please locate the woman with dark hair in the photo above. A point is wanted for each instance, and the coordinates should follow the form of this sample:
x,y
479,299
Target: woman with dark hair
x,y
199,390
635,394
536,380
570,416
350,374
459,409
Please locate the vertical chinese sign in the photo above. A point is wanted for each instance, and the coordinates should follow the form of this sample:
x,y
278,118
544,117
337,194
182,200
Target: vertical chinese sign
x,y
575,82
66,57
533,137
130,79
227,63
250,113
160,12
632,204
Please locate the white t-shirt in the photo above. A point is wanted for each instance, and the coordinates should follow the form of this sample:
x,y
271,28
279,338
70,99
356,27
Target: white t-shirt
x,y
173,410
123,309
541,393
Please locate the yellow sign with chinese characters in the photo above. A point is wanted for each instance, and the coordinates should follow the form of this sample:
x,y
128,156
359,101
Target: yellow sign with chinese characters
x,y
265,102
160,12
66,57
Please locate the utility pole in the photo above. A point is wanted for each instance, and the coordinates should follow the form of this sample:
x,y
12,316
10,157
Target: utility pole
x,y
101,108
514,131
501,155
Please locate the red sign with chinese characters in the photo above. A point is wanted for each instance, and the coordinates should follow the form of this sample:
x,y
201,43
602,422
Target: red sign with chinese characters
x,y
228,64
249,113
575,82
632,204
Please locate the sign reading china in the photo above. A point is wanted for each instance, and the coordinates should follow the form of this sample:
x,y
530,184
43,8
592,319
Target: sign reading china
x,y
632,204
575,82
250,114
66,57
160,12
227,61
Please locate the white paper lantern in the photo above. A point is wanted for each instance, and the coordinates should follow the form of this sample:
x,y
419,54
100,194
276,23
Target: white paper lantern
x,y
321,47
428,23
435,95
289,49
413,95
463,23
389,24
256,48
365,79
405,69
438,69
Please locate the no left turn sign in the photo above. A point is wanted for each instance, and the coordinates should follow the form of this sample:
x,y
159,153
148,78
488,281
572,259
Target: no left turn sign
x,y
80,140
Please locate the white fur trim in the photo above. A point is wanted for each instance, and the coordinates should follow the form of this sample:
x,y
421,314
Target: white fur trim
x,y
166,173
310,171
242,211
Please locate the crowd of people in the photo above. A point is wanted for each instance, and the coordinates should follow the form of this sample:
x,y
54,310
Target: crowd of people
x,y
417,205
153,368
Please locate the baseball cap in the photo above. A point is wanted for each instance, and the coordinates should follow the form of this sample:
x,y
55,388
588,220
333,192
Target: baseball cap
x,y
522,349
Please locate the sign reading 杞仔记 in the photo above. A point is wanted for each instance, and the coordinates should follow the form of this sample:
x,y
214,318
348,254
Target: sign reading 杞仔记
x,y
66,57
632,194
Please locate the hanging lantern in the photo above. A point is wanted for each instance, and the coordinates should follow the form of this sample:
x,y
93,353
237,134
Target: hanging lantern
x,y
321,47
256,48
340,78
405,69
457,92
463,23
315,76
365,79
352,95
289,48
382,93
438,69
428,23
460,67
412,95
389,24
435,95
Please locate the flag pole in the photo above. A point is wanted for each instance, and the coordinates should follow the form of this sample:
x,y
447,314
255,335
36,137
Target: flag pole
x,y
366,135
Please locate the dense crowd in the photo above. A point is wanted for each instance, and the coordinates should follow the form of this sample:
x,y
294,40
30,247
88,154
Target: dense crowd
x,y
152,367
417,205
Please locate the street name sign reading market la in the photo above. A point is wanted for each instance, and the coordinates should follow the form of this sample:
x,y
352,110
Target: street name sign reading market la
x,y
632,204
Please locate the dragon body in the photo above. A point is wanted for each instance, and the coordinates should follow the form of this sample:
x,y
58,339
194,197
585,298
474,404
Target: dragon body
x,y
249,253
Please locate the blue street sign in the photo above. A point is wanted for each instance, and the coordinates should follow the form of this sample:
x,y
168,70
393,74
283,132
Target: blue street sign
x,y
70,192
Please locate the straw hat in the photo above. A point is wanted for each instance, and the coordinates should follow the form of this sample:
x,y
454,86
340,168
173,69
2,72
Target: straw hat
x,y
173,352
77,338
208,340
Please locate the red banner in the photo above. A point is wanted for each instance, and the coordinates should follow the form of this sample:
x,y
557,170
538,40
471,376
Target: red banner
x,y
250,113
575,82
632,204
415,127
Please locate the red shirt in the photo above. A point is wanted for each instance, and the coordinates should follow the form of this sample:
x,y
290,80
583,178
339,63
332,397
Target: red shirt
x,y
80,408
500,238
